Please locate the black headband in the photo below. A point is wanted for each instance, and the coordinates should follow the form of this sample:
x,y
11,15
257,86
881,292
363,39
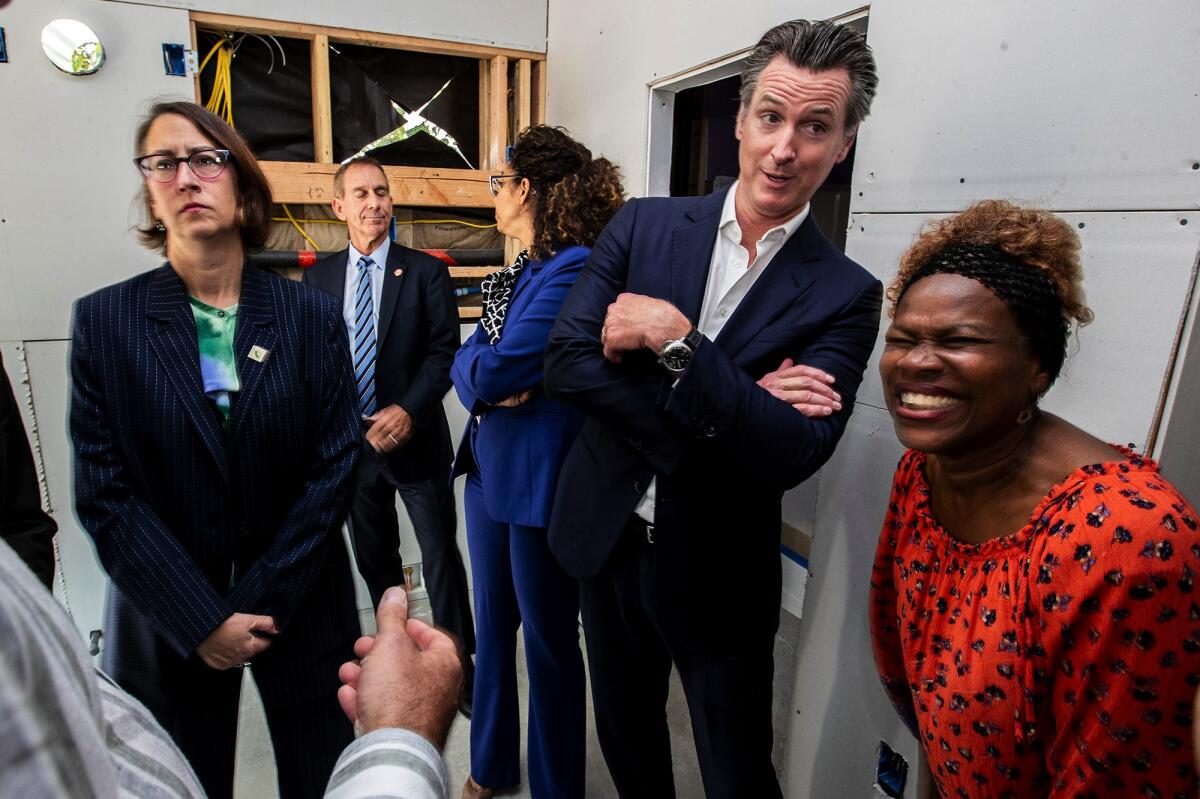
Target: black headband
x,y
1026,290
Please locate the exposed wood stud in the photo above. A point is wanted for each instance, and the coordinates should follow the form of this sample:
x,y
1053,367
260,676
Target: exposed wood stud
x,y
417,186
321,104
522,94
538,97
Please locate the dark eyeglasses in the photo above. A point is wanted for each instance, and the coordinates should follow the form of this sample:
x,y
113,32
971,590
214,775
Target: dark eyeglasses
x,y
205,164
496,182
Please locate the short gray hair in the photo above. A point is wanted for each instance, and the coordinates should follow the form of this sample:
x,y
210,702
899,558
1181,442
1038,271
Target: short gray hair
x,y
817,46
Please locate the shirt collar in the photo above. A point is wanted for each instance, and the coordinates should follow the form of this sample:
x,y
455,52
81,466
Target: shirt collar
x,y
379,256
730,228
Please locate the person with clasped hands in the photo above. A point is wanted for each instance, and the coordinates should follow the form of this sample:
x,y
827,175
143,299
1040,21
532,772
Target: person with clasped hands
x,y
1033,600
215,431
555,198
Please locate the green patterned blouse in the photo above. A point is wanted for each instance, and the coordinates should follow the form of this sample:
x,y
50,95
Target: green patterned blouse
x,y
214,330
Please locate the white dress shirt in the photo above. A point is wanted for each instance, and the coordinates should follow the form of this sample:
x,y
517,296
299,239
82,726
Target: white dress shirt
x,y
730,276
351,290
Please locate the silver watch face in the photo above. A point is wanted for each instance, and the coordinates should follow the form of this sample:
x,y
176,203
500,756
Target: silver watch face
x,y
675,356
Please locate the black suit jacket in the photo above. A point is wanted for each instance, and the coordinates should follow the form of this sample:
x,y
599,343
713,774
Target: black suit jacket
x,y
418,336
723,449
24,526
194,522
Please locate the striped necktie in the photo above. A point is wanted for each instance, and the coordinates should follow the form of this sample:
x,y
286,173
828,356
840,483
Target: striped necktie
x,y
364,338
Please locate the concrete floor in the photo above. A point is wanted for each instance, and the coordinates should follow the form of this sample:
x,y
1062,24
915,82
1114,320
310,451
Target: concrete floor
x,y
255,774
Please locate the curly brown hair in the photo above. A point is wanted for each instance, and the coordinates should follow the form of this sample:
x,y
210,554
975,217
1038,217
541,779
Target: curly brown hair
x,y
573,195
253,189
1036,237
1027,257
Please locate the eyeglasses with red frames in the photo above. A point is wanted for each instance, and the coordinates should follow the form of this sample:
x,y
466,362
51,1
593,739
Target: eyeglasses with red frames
x,y
205,164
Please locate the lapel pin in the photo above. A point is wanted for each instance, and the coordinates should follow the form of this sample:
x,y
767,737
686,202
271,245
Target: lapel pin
x,y
398,272
259,354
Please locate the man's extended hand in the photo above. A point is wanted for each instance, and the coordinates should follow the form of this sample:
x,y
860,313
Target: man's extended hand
x,y
239,638
408,675
805,388
635,321
390,427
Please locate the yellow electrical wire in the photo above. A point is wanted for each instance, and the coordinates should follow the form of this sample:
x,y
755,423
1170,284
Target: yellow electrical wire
x,y
220,101
296,225
398,222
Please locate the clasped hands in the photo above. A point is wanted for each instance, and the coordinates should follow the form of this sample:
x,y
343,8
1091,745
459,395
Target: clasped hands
x,y
635,322
236,640
389,428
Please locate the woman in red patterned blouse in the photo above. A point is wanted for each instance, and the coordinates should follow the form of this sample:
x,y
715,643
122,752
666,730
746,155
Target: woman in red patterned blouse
x,y
1033,603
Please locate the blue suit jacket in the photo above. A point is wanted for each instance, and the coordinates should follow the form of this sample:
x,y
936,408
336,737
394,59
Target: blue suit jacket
x,y
723,449
417,337
518,451
194,522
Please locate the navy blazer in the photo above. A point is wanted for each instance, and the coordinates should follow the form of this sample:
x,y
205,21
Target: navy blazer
x,y
723,449
194,521
518,451
418,335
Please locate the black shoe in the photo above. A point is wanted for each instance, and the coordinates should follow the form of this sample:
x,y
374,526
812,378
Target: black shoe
x,y
467,689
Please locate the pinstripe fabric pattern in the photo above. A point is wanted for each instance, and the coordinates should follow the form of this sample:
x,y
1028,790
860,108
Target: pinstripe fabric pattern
x,y
364,338
191,523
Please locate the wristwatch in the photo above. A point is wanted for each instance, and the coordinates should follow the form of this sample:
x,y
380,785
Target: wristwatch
x,y
676,354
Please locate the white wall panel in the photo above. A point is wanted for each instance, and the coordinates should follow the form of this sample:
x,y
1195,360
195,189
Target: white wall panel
x,y
1078,106
82,584
841,710
68,183
1136,272
603,56
519,24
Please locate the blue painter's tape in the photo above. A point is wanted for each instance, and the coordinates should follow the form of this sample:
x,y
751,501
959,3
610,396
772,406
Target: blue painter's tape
x,y
794,556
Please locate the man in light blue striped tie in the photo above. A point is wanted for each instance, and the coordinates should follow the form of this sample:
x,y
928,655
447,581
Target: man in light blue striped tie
x,y
399,311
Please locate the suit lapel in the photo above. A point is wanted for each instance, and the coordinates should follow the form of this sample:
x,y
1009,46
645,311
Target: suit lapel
x,y
255,328
391,290
787,276
691,255
173,340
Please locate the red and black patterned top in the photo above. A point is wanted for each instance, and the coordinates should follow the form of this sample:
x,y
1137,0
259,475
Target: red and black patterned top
x,y
1059,661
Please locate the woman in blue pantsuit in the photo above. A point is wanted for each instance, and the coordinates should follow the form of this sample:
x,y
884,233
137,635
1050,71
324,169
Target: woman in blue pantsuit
x,y
555,198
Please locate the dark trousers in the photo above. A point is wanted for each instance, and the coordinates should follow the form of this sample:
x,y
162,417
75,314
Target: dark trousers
x,y
728,685
198,706
375,533
518,583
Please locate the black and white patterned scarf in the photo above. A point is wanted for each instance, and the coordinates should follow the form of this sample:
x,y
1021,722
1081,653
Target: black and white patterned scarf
x,y
497,291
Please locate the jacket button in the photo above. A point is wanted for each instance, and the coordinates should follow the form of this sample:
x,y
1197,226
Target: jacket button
x,y
708,430
637,487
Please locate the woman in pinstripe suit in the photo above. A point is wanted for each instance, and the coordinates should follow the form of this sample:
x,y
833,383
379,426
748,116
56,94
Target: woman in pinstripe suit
x,y
215,428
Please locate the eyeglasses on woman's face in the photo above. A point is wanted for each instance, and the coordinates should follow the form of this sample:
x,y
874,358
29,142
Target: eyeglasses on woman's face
x,y
496,182
205,164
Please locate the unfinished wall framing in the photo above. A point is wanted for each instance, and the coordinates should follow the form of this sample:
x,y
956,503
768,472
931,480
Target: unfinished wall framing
x,y
511,96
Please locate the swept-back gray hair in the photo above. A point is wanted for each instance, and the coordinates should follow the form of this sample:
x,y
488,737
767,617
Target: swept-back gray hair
x,y
817,46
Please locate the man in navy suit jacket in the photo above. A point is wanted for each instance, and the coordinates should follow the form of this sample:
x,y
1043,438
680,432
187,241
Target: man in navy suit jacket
x,y
406,441
679,341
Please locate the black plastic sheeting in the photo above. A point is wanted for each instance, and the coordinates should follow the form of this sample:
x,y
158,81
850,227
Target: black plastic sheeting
x,y
363,78
272,111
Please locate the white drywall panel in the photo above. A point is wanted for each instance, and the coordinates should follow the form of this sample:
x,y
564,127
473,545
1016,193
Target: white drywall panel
x,y
1079,106
519,24
1179,439
82,584
1137,267
68,182
841,711
603,56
